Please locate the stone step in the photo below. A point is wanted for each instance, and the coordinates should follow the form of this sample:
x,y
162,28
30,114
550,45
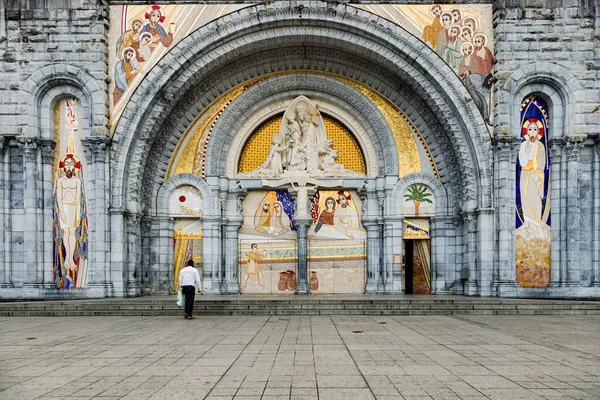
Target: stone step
x,y
301,306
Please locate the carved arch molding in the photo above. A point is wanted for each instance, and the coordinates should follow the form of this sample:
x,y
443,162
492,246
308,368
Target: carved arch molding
x,y
383,56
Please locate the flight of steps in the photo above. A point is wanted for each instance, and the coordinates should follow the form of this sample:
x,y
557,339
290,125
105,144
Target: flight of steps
x,y
239,305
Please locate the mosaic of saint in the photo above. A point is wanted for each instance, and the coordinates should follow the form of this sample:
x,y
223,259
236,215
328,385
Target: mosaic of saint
x,y
143,34
70,224
533,196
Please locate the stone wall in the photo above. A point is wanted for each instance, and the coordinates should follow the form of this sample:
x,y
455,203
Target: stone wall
x,y
39,33
54,48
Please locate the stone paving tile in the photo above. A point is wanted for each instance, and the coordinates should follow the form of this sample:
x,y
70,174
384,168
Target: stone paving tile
x,y
302,358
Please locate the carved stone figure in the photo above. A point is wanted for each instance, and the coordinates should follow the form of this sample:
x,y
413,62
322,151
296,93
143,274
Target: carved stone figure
x,y
301,148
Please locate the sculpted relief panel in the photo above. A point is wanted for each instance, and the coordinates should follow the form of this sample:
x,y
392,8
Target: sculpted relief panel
x,y
301,147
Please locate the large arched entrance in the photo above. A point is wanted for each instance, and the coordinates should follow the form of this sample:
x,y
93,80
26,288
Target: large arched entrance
x,y
249,66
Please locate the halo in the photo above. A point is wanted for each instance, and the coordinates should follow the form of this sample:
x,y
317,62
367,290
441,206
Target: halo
x,y
484,36
472,18
127,49
457,10
448,14
457,27
136,19
155,8
344,193
434,7
467,44
465,29
144,35
61,163
533,121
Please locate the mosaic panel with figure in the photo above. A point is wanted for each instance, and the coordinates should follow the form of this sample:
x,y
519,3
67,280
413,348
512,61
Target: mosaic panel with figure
x,y
337,243
533,196
268,252
70,222
141,35
187,245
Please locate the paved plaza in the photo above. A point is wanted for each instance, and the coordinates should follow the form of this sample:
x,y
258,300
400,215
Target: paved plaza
x,y
313,357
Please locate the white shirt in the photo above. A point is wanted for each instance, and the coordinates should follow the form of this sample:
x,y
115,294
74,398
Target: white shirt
x,y
189,276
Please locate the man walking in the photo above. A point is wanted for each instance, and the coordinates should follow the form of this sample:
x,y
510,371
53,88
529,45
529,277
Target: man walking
x,y
189,279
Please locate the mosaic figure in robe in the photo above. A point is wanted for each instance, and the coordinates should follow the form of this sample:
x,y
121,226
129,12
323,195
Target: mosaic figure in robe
x,y
345,217
68,197
532,158
253,265
159,35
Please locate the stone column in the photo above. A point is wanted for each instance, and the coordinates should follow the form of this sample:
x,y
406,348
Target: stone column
x,y
557,266
211,253
302,225
4,187
596,216
234,222
461,272
371,220
396,248
574,144
470,256
97,191
485,251
163,250
118,249
388,241
442,269
133,253
28,273
149,268
47,223
557,272
373,256
506,149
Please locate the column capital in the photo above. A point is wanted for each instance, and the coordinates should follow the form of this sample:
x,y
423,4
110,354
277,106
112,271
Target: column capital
x,y
147,223
29,146
48,147
3,144
133,219
96,147
574,144
505,146
556,146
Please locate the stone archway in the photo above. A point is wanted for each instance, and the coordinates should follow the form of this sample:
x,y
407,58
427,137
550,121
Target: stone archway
x,y
414,77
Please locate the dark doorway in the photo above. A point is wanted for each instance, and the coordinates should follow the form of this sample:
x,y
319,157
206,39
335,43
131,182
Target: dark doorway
x,y
408,267
417,267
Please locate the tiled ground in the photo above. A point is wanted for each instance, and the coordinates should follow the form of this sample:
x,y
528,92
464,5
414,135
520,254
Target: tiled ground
x,y
318,357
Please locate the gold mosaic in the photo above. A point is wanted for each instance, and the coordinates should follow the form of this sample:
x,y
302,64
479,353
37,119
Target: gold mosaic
x,y
256,149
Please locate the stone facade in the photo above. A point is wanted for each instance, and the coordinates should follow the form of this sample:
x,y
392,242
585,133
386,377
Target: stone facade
x,y
50,50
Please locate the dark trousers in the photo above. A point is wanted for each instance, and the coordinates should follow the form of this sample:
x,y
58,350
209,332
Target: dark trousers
x,y
189,292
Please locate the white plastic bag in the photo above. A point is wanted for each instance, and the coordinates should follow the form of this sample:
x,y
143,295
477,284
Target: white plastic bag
x,y
180,297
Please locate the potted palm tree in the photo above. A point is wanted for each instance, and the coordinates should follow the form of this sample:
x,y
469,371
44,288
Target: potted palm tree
x,y
418,194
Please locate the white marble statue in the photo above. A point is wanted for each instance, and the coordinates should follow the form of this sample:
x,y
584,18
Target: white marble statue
x,y
301,148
